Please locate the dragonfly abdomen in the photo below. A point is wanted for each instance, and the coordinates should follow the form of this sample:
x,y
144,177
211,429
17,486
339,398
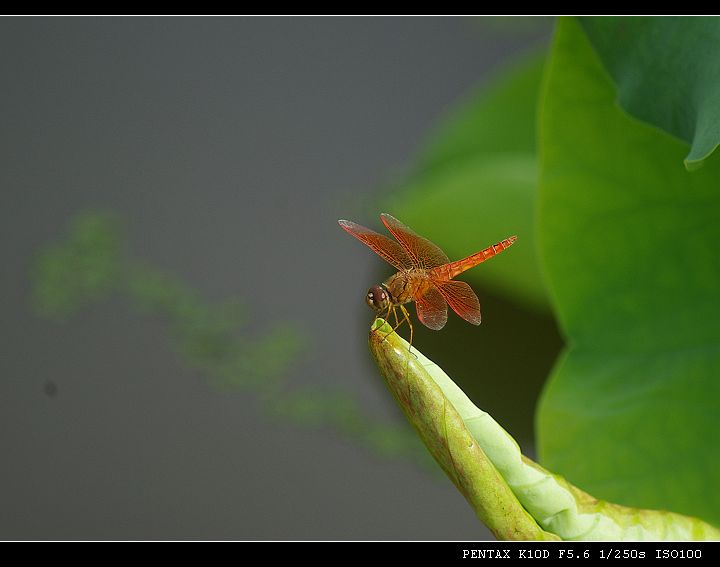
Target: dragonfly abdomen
x,y
453,269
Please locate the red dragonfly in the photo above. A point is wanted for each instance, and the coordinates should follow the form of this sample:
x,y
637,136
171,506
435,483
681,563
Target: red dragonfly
x,y
425,275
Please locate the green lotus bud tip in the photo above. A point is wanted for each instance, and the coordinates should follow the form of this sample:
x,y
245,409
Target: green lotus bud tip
x,y
515,497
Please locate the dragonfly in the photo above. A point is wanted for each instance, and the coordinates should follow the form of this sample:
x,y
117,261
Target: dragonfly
x,y
424,275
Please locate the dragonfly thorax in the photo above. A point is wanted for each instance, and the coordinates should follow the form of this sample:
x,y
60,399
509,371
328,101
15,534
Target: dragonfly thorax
x,y
404,286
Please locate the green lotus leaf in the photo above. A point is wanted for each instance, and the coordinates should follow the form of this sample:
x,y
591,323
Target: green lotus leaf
x,y
667,72
629,242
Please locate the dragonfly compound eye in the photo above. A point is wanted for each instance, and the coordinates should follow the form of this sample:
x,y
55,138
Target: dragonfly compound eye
x,y
377,298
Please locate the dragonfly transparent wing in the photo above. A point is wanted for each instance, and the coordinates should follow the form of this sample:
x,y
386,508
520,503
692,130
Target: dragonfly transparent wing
x,y
462,300
432,309
386,248
423,253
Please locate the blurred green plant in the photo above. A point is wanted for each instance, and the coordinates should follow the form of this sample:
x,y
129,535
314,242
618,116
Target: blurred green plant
x,y
90,264
629,241
83,268
207,335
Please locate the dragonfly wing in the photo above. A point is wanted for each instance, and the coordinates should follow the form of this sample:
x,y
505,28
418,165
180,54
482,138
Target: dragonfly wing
x,y
423,253
462,299
432,309
386,248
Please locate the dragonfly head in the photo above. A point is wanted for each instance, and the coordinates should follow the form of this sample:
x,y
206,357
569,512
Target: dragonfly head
x,y
378,298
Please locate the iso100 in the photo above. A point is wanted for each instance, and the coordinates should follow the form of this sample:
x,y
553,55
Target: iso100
x,y
678,553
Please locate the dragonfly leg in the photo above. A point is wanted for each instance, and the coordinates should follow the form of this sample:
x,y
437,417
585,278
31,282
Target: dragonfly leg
x,y
387,315
398,321
406,317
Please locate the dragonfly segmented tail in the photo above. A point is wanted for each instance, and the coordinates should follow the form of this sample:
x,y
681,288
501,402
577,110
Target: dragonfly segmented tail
x,y
453,269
